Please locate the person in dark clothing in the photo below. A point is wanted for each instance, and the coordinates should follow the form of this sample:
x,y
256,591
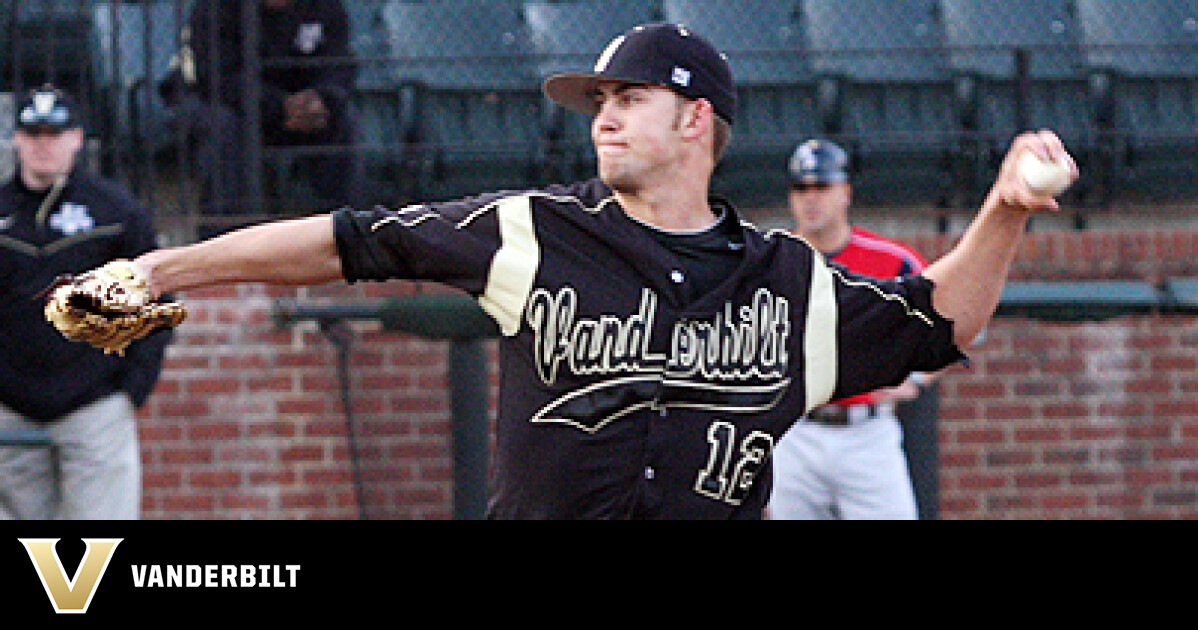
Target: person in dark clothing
x,y
55,219
307,76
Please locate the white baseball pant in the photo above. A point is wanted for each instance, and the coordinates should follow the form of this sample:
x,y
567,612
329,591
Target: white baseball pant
x,y
852,472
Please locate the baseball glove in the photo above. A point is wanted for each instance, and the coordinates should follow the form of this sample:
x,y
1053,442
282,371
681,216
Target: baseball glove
x,y
109,307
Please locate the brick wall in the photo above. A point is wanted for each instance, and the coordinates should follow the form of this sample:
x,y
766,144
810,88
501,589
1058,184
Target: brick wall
x,y
1087,420
247,421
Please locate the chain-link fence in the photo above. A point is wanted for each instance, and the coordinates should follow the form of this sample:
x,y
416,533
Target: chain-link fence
x,y
445,96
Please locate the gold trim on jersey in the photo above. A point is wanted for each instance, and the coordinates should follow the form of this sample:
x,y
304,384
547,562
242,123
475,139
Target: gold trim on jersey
x,y
821,354
514,267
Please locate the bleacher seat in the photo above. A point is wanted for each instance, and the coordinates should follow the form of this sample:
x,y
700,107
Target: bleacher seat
x,y
1143,59
1022,61
50,43
1182,293
8,113
1140,38
370,43
479,97
378,102
882,65
6,47
134,46
764,41
568,37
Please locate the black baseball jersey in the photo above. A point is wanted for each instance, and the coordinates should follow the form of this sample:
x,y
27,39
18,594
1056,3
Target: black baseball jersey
x,y
623,394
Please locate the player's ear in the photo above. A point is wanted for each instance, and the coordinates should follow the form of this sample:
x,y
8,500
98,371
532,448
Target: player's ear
x,y
698,118
75,137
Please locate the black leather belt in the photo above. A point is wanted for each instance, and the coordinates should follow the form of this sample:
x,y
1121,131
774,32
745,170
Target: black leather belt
x,y
837,415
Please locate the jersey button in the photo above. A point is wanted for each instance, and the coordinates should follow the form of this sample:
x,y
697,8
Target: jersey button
x,y
677,277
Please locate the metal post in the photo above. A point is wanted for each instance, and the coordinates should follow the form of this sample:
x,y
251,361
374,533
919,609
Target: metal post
x,y
921,444
468,386
339,333
455,318
1023,89
251,97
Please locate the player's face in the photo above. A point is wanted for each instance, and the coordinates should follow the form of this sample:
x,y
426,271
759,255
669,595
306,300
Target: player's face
x,y
821,207
636,134
47,153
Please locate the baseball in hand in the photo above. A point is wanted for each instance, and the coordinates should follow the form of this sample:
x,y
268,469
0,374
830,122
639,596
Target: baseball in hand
x,y
1045,178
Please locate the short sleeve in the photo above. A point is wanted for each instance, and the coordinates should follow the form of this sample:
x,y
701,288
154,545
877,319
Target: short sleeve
x,y
453,243
887,330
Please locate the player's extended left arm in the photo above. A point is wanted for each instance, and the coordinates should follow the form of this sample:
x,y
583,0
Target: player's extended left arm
x,y
291,252
969,279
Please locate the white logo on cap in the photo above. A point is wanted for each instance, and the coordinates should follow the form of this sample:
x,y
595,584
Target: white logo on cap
x,y
682,77
806,156
608,53
43,102
308,38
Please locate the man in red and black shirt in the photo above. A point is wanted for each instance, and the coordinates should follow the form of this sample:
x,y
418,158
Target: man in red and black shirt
x,y
846,459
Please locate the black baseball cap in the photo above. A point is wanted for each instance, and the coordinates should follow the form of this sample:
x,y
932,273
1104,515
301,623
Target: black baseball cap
x,y
48,106
669,55
819,161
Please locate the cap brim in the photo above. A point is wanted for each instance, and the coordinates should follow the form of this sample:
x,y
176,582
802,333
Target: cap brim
x,y
45,125
808,179
576,90
573,90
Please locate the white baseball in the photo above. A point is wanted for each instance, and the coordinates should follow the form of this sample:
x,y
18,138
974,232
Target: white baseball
x,y
1045,178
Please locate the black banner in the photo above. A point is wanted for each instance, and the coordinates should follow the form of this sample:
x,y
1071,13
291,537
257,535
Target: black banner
x,y
221,571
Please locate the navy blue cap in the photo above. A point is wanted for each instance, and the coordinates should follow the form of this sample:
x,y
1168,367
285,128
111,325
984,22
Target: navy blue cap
x,y
669,55
819,162
48,107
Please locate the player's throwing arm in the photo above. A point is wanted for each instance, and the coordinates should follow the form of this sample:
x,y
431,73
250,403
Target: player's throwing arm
x,y
969,279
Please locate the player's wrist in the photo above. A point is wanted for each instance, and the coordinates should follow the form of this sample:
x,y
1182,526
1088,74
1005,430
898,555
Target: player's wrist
x,y
150,266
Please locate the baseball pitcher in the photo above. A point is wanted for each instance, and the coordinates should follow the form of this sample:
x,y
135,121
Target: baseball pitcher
x,y
655,347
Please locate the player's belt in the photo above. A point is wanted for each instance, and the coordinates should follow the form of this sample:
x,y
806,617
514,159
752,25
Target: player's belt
x,y
841,416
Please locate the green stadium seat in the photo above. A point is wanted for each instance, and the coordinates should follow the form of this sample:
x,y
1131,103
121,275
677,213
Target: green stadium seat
x,y
1089,300
134,46
1183,294
987,42
762,38
568,37
378,108
370,43
6,47
980,35
1143,58
459,44
478,93
882,41
1140,38
885,63
50,43
765,44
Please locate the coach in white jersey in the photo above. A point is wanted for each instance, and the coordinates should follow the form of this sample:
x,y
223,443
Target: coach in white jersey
x,y
654,347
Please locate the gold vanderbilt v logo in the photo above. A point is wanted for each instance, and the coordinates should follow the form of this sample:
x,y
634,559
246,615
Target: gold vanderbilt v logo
x,y
75,595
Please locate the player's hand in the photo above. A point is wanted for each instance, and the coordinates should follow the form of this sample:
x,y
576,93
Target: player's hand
x,y
109,307
907,391
306,111
1012,190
